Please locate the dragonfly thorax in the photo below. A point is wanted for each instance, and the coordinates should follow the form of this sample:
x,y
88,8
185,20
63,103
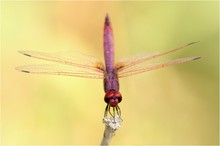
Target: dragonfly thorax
x,y
111,81
113,98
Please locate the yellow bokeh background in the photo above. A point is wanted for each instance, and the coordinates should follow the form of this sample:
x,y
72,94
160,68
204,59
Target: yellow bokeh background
x,y
174,105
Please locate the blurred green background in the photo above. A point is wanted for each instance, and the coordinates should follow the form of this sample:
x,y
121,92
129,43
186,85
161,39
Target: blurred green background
x,y
174,105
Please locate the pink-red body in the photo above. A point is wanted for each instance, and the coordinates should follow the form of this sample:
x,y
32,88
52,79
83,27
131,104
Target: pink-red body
x,y
111,84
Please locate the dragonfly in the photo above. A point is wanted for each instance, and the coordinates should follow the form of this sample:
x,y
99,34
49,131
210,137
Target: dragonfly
x,y
86,66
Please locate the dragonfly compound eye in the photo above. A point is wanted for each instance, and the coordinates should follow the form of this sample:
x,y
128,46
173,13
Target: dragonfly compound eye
x,y
118,96
113,98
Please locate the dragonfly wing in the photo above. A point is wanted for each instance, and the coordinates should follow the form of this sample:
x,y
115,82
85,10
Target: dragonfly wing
x,y
68,58
136,69
133,61
71,64
127,61
66,70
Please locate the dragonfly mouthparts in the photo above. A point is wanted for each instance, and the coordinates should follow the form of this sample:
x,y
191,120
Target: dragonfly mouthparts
x,y
107,20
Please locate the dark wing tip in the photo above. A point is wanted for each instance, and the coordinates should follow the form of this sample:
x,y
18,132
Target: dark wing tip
x,y
197,58
107,20
25,71
24,53
20,69
193,43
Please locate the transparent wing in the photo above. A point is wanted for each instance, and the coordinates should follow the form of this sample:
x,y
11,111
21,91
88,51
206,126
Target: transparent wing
x,y
148,67
54,69
74,64
129,62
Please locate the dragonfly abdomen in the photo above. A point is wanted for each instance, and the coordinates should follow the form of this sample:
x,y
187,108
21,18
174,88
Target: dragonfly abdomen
x,y
108,45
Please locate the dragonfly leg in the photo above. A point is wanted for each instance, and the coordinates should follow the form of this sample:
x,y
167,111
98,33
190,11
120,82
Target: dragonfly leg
x,y
106,110
112,112
118,111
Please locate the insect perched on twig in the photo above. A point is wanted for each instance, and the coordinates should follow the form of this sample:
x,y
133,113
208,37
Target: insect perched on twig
x,y
80,65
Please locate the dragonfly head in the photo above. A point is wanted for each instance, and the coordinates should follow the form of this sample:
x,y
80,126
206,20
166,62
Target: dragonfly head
x,y
113,98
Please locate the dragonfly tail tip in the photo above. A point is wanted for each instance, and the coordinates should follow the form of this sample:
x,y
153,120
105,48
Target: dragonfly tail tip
x,y
107,20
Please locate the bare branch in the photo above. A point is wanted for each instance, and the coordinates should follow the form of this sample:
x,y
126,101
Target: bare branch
x,y
111,125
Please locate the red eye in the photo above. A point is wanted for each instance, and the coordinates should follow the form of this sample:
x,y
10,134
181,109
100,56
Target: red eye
x,y
113,98
118,95
108,96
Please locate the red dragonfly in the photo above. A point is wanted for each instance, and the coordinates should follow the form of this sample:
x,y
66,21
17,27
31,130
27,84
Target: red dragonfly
x,y
80,65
